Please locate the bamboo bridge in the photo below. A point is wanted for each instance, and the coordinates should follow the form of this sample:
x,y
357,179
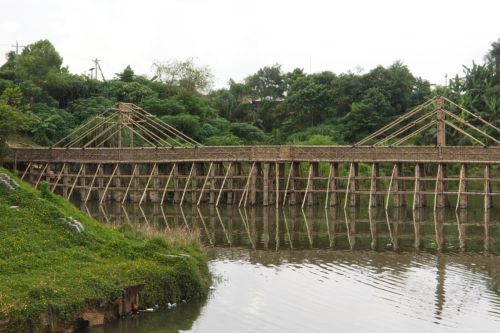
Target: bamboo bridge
x,y
127,154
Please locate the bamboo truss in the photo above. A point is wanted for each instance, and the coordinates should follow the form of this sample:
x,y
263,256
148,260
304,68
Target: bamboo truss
x,y
125,121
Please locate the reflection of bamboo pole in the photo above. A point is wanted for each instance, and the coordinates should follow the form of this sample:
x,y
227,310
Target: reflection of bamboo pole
x,y
307,186
204,183
223,227
166,185
144,216
416,228
328,228
183,217
287,229
307,228
58,177
107,185
186,185
126,214
147,184
461,239
92,183
205,227
223,183
372,229
247,227
164,217
76,179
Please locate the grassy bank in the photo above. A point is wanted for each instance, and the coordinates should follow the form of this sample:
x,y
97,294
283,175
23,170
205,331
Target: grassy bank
x,y
44,264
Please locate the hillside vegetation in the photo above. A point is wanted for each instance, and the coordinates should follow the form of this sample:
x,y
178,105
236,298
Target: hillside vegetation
x,y
45,264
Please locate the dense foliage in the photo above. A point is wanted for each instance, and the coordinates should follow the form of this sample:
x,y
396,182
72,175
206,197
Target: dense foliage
x,y
42,100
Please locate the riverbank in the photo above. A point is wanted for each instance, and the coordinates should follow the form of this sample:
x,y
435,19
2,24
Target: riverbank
x,y
55,277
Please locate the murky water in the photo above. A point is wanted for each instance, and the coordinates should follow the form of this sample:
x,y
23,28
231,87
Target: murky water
x,y
289,270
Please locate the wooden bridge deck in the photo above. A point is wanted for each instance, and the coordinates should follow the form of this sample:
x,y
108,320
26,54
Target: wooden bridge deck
x,y
344,154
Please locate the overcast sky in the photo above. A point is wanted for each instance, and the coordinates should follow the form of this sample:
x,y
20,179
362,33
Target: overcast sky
x,y
236,38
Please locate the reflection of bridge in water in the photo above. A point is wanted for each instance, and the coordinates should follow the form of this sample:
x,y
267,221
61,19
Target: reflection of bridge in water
x,y
126,154
292,228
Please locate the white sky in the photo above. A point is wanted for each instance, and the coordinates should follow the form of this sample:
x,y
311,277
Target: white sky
x,y
236,38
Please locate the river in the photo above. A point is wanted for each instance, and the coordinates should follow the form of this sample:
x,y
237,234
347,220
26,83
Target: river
x,y
317,270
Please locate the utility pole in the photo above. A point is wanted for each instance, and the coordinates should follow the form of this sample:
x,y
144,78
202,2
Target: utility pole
x,y
98,69
17,46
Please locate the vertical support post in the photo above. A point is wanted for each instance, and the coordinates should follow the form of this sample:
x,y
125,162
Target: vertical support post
x,y
166,184
354,199
100,183
487,187
187,183
440,197
334,197
441,129
176,183
205,183
287,183
83,184
307,185
194,181
294,194
211,196
462,199
374,186
277,196
129,183
265,184
230,182
65,181
154,194
253,186
311,197
399,198
418,197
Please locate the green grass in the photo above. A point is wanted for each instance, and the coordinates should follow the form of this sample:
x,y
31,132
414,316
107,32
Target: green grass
x,y
43,263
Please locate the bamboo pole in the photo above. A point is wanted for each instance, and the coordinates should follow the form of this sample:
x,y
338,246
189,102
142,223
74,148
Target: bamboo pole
x,y
204,183
41,175
246,186
351,169
390,187
205,227
223,183
92,183
462,171
129,183
76,179
58,177
186,185
372,185
26,171
143,196
307,186
328,186
464,132
414,133
405,128
107,185
287,183
439,171
472,114
166,184
466,123
395,122
277,196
